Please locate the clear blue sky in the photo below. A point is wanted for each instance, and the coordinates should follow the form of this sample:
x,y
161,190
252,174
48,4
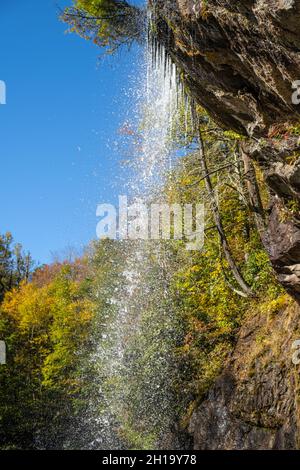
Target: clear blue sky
x,y
59,128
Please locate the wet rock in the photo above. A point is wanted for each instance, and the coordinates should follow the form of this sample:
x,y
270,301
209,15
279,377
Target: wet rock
x,y
240,58
239,61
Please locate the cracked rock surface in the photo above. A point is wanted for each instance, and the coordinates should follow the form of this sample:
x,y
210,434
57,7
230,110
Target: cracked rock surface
x,y
239,61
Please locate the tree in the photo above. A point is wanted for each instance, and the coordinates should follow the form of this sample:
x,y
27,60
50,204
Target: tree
x,y
108,23
45,328
15,265
245,289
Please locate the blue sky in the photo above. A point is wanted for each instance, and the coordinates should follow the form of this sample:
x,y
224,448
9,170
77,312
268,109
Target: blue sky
x,y
59,151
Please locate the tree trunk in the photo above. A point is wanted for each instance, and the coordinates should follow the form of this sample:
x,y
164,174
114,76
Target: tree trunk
x,y
246,291
255,201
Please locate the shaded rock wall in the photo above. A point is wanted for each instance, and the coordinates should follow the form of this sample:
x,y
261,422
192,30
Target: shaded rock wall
x,y
239,58
239,61
255,402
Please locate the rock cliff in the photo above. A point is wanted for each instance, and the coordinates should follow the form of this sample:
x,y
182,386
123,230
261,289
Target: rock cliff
x,y
240,61
255,402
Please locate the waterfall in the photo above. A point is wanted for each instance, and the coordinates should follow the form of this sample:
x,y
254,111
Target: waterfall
x,y
162,93
140,284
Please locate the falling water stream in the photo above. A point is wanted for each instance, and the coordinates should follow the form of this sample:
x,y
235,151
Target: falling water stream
x,y
141,283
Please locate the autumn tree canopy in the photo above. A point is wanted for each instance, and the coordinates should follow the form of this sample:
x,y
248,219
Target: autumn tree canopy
x,y
108,23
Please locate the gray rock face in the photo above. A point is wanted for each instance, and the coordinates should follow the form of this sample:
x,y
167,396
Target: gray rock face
x,y
282,237
239,60
283,243
254,405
